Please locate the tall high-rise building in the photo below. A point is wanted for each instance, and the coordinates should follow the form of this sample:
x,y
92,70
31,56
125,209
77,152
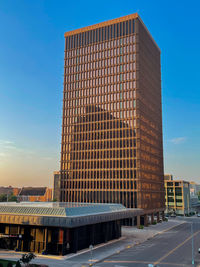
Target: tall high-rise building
x,y
112,149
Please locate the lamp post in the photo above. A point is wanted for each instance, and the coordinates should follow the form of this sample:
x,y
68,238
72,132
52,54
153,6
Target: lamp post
x,y
192,244
91,248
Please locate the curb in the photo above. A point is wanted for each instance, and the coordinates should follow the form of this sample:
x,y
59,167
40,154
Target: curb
x,y
96,247
132,245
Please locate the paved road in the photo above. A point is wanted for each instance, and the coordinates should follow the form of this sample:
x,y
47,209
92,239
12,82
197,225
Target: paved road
x,y
171,248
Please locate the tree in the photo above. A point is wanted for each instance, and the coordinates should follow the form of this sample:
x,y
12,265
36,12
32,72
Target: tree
x,y
18,264
12,198
3,198
198,194
26,258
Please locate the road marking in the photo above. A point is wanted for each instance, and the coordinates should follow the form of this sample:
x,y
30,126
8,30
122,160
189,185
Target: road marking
x,y
147,262
174,264
166,230
174,249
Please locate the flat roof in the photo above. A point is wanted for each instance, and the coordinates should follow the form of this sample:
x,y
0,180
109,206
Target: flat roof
x,y
63,214
58,208
179,181
102,24
110,22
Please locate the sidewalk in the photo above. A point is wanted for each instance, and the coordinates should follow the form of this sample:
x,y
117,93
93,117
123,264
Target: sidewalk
x,y
131,236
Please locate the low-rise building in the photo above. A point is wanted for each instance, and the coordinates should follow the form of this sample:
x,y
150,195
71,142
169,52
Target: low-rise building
x,y
60,228
9,190
177,197
194,196
194,189
32,194
56,187
168,177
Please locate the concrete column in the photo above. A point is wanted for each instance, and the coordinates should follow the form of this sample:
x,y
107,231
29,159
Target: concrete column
x,y
92,234
152,218
34,238
19,239
145,220
158,217
106,237
75,240
119,229
138,221
46,239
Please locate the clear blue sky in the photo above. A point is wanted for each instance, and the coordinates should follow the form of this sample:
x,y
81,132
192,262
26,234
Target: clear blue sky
x,y
31,80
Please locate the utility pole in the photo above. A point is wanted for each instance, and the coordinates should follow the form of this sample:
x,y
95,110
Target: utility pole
x,y
192,244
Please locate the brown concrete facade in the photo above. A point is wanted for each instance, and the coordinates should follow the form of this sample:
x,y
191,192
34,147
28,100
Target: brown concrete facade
x,y
112,148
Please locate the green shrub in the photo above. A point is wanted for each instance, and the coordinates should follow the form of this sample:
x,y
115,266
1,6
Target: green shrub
x,y
26,258
18,264
154,222
141,227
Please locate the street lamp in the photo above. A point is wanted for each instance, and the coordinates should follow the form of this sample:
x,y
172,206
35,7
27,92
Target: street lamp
x,y
192,243
91,248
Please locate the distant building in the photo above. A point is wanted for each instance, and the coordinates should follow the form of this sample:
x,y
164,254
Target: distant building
x,y
168,177
177,197
34,194
9,190
194,189
56,187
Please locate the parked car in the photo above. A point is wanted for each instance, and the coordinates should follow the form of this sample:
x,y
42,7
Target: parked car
x,y
198,214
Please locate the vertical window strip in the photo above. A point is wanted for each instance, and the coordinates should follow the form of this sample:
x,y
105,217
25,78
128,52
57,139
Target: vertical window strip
x,y
100,34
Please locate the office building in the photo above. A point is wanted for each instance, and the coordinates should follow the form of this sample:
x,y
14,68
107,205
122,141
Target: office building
x,y
112,149
177,197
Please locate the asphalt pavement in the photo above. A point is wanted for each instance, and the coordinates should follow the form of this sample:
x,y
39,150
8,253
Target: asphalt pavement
x,y
164,244
171,248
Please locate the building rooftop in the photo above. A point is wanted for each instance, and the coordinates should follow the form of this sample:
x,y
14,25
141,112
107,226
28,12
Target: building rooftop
x,y
32,191
175,181
58,208
102,24
63,214
110,22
